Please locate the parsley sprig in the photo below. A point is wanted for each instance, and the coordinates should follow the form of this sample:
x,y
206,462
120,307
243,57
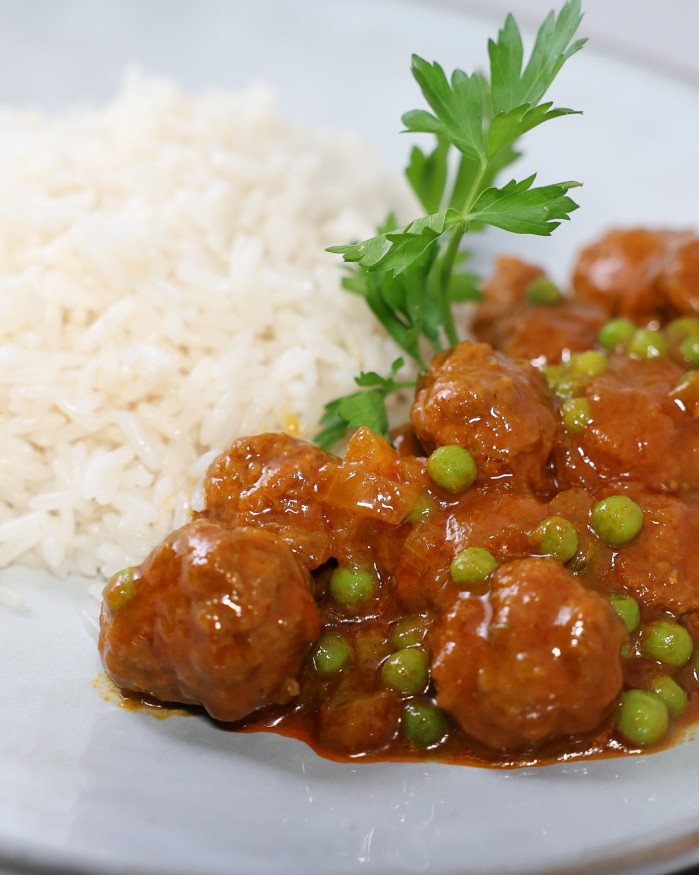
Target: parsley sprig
x,y
411,276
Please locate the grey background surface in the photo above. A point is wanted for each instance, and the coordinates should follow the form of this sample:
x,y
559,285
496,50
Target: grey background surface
x,y
662,34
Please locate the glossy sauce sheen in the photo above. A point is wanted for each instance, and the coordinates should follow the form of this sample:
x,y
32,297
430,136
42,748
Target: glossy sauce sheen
x,y
528,666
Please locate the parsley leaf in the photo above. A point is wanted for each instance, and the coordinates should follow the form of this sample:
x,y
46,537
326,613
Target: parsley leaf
x,y
427,174
522,209
458,107
404,304
510,87
409,275
397,250
360,408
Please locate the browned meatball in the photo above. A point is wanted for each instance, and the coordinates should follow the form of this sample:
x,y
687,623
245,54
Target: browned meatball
x,y
545,334
621,271
214,616
679,279
271,481
537,659
511,325
505,289
659,566
636,430
496,408
496,520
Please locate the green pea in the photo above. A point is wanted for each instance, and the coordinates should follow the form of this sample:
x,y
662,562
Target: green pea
x,y
553,374
332,652
668,642
642,717
689,350
615,332
471,568
406,670
685,326
627,608
647,344
452,468
571,387
119,589
544,292
670,692
617,519
349,586
420,510
576,415
556,536
423,724
409,631
588,364
563,383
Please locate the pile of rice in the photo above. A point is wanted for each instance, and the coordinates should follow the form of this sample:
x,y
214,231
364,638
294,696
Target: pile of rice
x,y
164,289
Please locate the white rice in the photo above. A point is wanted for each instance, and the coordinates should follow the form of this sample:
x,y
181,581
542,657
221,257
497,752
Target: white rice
x,y
164,289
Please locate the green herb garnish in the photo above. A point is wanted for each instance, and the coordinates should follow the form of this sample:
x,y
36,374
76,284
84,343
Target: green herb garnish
x,y
366,407
411,276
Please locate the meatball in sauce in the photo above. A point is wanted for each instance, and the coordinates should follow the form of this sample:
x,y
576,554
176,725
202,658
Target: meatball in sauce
x,y
216,617
512,580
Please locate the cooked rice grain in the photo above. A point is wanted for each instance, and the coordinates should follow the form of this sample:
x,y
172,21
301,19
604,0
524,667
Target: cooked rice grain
x,y
163,289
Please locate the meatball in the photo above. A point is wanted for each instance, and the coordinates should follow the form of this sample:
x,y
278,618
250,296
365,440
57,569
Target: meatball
x,y
214,616
659,566
679,279
496,520
636,430
505,289
540,657
496,408
271,481
543,333
621,272
546,334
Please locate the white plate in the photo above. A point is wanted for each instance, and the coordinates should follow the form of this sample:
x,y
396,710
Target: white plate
x,y
86,786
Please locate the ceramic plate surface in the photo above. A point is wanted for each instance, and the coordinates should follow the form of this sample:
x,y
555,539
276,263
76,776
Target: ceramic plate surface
x,y
86,786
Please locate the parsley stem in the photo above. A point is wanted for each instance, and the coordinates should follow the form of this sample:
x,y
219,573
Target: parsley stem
x,y
476,188
461,181
446,270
